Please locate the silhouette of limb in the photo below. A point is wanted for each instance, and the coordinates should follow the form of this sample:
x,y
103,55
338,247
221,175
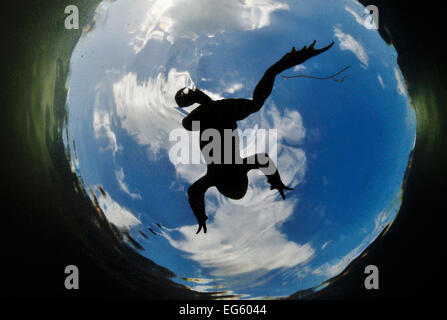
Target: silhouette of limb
x,y
196,198
263,162
293,58
242,108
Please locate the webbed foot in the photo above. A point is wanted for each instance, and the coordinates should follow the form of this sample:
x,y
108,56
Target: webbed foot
x,y
202,224
296,57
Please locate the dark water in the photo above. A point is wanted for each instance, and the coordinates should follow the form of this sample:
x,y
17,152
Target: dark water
x,y
50,222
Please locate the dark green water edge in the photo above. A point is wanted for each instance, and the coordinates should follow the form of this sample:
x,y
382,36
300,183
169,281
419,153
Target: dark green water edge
x,y
53,222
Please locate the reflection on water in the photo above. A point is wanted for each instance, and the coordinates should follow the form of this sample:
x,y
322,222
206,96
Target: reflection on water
x,y
345,151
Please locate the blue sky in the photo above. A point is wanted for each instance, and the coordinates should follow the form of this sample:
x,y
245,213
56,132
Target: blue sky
x,y
344,146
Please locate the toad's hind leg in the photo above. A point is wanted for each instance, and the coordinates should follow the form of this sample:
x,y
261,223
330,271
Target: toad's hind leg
x,y
196,198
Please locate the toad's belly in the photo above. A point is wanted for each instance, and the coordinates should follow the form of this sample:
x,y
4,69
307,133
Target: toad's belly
x,y
231,182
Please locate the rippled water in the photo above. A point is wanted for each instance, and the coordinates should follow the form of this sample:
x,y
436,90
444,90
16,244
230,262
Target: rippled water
x,y
343,146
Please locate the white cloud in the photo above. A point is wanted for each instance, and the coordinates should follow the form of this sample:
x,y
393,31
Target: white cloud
x,y
347,42
299,67
400,82
234,87
101,126
379,77
332,269
244,236
148,113
147,110
119,174
289,125
364,19
173,19
325,244
117,215
357,17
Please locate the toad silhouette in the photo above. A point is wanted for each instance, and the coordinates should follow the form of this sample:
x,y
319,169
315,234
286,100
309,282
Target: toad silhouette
x,y
227,171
